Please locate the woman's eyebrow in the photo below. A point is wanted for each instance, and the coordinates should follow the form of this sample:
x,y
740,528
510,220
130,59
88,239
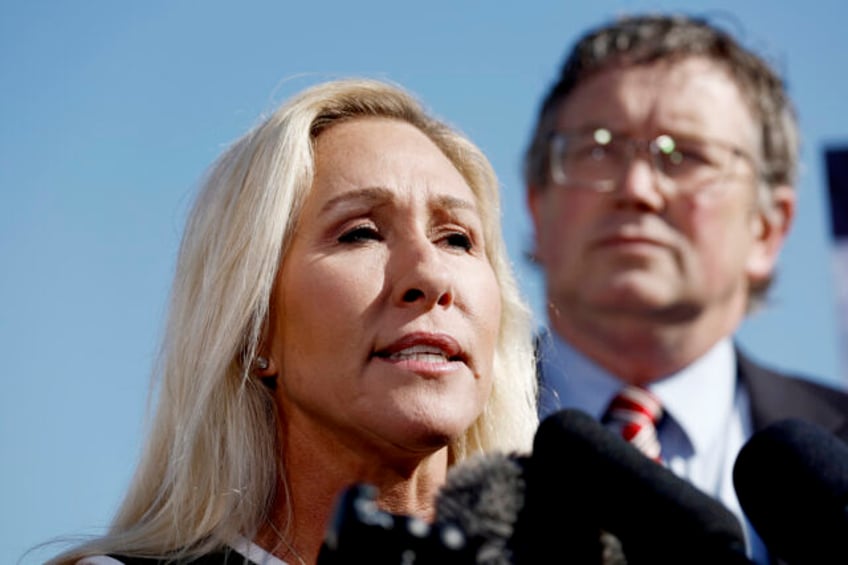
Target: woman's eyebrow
x,y
368,195
453,202
376,195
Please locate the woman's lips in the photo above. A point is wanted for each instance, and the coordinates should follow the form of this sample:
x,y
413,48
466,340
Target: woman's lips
x,y
423,344
424,352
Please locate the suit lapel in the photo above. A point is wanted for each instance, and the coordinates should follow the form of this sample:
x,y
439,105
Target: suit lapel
x,y
775,396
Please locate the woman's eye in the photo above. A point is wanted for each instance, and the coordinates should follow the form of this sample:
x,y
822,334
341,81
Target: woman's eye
x,y
360,234
460,240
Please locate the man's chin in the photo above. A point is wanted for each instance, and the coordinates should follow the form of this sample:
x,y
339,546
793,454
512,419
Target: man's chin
x,y
636,299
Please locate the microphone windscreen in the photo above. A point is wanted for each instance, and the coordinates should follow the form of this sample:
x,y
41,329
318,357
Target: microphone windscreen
x,y
791,479
491,499
360,532
657,516
483,496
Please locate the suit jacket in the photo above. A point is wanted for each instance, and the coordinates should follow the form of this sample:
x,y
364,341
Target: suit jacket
x,y
775,396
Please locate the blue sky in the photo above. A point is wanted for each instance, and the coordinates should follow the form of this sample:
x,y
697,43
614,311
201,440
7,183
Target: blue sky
x,y
111,111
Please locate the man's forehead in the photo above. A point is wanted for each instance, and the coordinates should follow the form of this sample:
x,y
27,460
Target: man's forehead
x,y
692,92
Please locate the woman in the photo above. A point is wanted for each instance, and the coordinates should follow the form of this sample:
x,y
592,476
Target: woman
x,y
343,312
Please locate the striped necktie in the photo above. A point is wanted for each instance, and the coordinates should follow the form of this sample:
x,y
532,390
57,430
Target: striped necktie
x,y
634,413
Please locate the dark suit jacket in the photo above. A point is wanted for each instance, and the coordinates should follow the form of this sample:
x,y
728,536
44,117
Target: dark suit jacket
x,y
776,396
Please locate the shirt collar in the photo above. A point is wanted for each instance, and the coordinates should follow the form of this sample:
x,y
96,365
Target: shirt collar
x,y
699,398
580,382
254,553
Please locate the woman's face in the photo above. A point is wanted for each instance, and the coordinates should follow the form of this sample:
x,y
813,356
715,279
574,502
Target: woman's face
x,y
386,310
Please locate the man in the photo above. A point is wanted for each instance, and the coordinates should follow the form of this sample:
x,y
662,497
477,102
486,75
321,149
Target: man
x,y
660,183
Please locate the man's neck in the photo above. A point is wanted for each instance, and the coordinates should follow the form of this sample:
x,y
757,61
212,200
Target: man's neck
x,y
638,350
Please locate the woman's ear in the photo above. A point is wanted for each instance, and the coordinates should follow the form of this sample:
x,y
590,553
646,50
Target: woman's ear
x,y
770,229
265,369
264,366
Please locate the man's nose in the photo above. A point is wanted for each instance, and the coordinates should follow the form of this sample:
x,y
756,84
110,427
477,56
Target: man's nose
x,y
640,181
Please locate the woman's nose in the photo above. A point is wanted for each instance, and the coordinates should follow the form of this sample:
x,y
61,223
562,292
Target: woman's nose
x,y
424,277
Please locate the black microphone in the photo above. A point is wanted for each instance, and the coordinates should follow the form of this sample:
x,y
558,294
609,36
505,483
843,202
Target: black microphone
x,y
586,496
657,516
583,496
791,479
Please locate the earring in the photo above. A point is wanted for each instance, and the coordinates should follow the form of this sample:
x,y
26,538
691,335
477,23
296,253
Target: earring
x,y
261,363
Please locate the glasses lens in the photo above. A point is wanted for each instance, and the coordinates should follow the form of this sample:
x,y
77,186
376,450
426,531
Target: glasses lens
x,y
691,164
665,144
598,159
586,158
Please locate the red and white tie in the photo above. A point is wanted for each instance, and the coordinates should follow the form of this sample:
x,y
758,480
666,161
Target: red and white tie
x,y
634,413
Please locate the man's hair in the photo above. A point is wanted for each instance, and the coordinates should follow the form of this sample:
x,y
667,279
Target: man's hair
x,y
644,39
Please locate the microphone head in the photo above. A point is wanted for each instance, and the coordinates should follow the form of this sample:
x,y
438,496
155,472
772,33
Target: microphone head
x,y
484,496
657,516
360,532
791,479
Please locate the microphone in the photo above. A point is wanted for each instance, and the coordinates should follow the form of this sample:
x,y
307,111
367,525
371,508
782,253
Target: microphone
x,y
494,499
791,479
582,467
483,496
585,495
362,533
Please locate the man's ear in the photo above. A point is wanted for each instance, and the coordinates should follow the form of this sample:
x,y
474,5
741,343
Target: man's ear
x,y
535,198
770,231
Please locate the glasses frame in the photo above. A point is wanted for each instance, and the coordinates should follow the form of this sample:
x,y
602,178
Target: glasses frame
x,y
635,146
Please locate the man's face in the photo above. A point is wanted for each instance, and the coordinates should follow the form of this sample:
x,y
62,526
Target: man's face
x,y
640,250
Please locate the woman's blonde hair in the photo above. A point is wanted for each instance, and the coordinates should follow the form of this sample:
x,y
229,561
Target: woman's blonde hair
x,y
205,475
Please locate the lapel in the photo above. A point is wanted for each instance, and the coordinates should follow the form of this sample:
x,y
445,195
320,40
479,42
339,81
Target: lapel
x,y
775,396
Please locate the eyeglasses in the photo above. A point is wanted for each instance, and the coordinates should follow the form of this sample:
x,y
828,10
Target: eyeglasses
x,y
598,159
